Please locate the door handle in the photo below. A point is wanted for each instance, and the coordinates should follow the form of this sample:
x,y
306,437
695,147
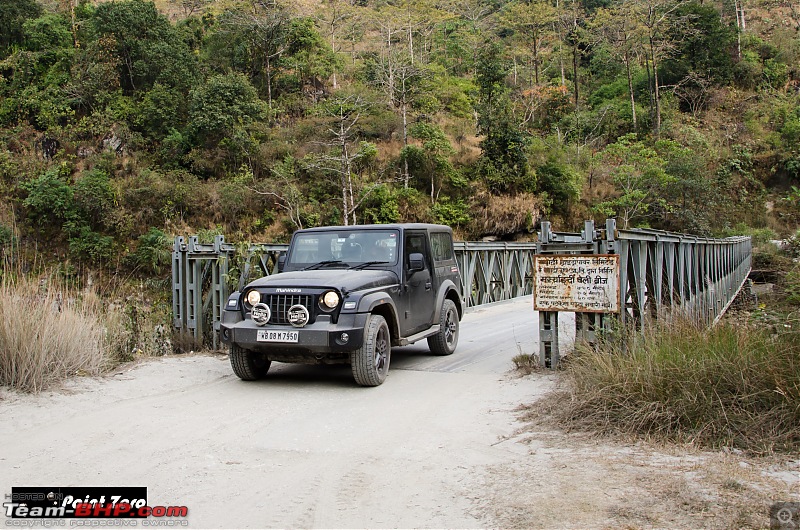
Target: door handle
x,y
428,286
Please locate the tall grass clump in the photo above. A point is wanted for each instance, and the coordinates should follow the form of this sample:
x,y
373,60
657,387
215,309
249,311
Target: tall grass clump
x,y
726,386
49,332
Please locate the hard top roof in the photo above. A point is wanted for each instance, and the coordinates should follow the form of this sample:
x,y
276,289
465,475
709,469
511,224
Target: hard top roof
x,y
395,226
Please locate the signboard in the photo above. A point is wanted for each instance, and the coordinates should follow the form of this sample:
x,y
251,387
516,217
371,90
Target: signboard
x,y
586,283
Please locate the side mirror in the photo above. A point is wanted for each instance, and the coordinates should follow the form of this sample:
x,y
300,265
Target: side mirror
x,y
281,261
416,262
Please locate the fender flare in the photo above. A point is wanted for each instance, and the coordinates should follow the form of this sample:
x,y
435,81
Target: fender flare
x,y
446,288
369,302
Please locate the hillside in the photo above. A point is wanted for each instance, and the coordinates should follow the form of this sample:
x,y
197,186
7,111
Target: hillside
x,y
124,123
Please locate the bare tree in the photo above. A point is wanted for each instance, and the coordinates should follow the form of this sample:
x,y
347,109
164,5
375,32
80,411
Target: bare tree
x,y
190,7
623,35
334,18
344,112
657,16
693,90
285,189
399,78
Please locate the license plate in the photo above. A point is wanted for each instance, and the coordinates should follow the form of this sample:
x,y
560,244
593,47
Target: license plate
x,y
268,335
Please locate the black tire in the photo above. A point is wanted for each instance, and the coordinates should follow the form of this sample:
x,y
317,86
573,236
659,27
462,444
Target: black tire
x,y
370,363
248,365
445,342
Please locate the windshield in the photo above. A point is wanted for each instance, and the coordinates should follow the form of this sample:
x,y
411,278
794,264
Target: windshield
x,y
343,248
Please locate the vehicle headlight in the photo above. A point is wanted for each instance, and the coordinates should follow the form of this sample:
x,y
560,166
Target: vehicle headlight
x,y
330,300
253,297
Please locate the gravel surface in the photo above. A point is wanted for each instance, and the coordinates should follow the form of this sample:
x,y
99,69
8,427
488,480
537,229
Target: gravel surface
x,y
439,444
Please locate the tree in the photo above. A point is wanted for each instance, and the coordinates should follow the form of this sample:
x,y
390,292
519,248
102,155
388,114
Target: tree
x,y
531,23
190,7
701,56
335,19
623,36
640,179
400,80
433,158
657,17
149,48
94,73
253,38
503,163
13,14
310,56
223,105
342,114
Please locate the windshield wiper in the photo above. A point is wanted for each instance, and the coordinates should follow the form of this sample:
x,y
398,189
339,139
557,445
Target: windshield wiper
x,y
322,264
367,264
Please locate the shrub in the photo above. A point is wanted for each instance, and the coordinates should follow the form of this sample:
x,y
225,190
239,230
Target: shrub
x,y
87,245
381,206
95,197
49,200
725,386
451,213
152,252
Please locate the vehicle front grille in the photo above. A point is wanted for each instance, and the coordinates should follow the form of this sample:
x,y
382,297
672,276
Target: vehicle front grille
x,y
279,305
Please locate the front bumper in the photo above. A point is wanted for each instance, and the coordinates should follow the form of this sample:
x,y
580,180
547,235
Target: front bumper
x,y
317,342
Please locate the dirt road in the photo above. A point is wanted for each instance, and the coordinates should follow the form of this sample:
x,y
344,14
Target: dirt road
x,y
438,445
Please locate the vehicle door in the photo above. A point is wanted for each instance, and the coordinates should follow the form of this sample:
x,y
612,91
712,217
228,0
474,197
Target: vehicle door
x,y
418,289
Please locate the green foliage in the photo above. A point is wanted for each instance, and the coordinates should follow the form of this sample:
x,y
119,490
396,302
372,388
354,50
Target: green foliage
x,y
6,237
153,251
94,198
46,33
561,182
503,166
760,236
775,73
223,103
308,50
639,174
150,48
383,206
86,245
161,110
250,83
451,213
13,14
49,200
704,46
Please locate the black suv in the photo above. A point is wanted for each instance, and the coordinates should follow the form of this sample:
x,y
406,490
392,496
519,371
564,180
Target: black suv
x,y
347,294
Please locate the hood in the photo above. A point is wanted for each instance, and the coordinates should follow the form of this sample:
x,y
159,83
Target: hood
x,y
346,280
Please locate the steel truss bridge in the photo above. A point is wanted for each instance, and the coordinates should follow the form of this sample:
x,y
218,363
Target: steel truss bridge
x,y
660,273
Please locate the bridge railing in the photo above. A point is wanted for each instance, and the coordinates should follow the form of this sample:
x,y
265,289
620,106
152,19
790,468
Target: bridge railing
x,y
204,275
660,274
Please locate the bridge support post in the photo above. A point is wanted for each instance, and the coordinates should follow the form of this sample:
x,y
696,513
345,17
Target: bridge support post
x,y
549,354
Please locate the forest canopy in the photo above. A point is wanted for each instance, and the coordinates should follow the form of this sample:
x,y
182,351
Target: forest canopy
x,y
125,122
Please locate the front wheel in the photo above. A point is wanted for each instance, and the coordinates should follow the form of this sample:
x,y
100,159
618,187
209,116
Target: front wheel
x,y
370,363
248,365
444,342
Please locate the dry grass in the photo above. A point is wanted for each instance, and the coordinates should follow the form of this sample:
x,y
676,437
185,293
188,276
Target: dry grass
x,y
503,214
49,332
722,387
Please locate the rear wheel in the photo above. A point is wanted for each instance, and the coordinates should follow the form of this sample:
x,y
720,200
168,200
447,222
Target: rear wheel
x,y
248,365
444,342
370,363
